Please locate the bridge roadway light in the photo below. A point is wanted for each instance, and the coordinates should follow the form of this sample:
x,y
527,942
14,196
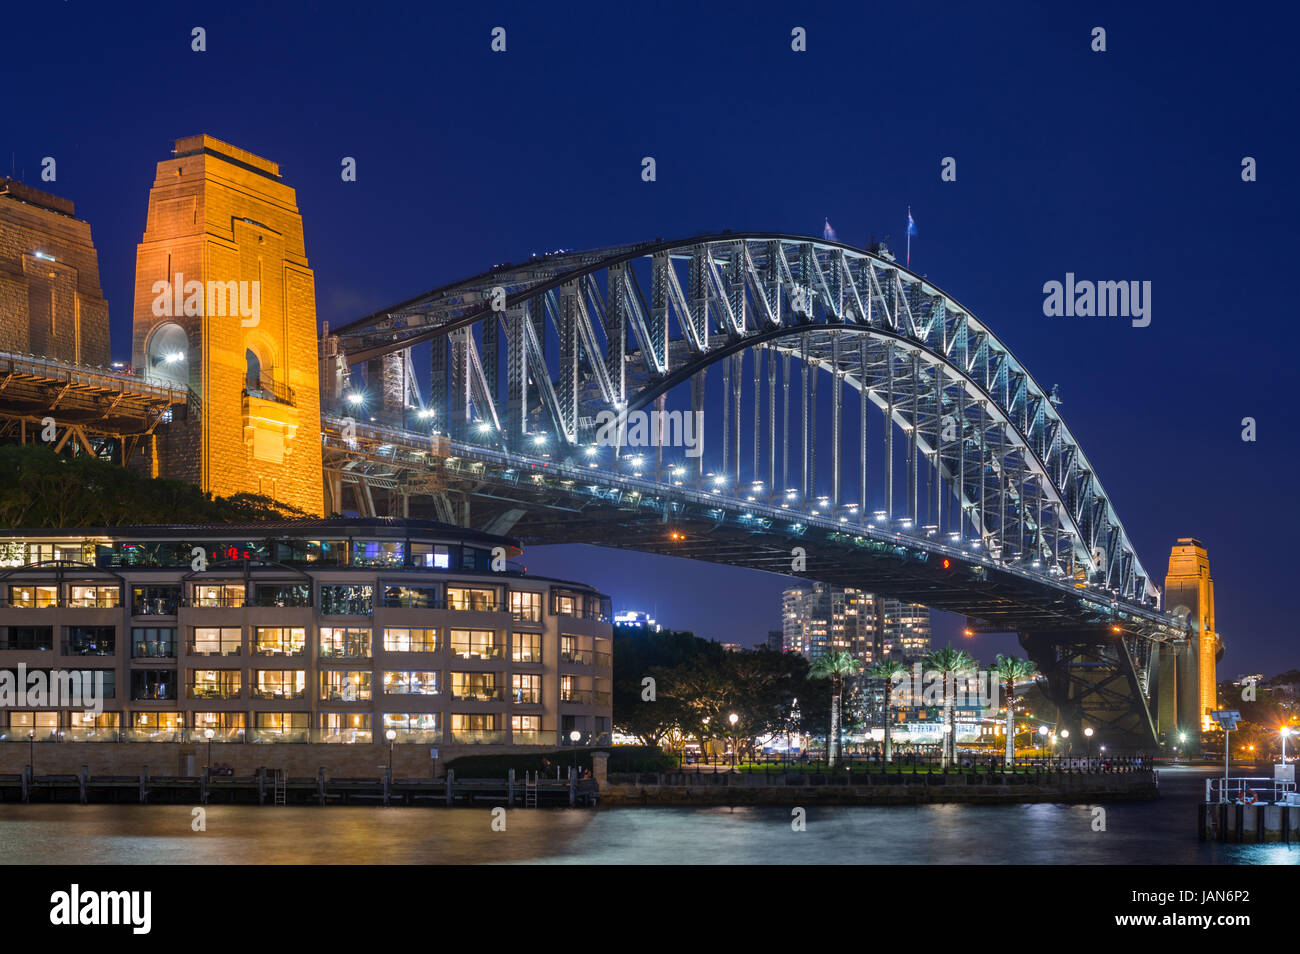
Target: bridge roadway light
x,y
355,399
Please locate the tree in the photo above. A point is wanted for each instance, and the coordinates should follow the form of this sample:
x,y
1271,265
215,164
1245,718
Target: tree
x,y
835,666
949,662
888,670
1012,669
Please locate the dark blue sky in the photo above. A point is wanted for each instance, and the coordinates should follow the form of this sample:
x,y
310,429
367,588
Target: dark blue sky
x,y
1116,165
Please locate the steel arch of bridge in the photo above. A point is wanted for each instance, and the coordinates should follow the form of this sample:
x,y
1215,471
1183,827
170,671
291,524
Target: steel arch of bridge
x,y
962,402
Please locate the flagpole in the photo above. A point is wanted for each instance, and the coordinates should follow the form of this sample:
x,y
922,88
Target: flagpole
x,y
909,236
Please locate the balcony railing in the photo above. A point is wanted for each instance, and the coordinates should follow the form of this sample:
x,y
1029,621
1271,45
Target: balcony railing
x,y
585,657
215,649
293,649
218,734
585,697
478,694
527,697
279,735
155,607
153,735
268,389
216,602
149,649
478,736
27,645
212,692
478,652
263,693
81,649
425,736
344,736
533,737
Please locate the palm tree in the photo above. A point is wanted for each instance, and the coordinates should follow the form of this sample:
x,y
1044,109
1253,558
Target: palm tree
x,y
1011,670
834,666
949,662
888,669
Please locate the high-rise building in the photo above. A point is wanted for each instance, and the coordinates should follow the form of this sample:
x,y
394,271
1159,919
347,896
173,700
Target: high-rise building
x,y
225,305
822,618
49,279
776,640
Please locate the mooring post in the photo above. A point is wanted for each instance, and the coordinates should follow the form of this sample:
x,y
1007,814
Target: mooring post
x,y
261,785
144,785
573,791
388,783
320,784
27,783
203,789
510,789
85,778
451,779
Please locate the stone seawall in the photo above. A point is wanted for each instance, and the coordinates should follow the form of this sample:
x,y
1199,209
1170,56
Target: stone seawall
x,y
794,789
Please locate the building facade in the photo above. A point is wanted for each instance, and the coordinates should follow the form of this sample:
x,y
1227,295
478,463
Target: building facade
x,y
821,618
313,631
50,296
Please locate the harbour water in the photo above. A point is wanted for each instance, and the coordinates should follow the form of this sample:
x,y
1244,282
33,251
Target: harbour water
x,y
1153,832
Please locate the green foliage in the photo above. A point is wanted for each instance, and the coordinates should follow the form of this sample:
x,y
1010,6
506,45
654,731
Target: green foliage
x,y
43,489
641,758
698,685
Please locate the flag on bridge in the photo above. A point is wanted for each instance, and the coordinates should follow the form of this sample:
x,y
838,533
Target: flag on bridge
x,y
911,230
828,232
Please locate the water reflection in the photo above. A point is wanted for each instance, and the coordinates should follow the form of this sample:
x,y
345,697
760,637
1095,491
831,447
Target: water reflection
x,y
1161,832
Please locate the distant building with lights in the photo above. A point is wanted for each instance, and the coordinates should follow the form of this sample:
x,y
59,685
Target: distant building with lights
x,y
821,618
635,619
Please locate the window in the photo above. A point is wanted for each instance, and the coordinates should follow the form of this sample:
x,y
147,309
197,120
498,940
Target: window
x,y
155,600
474,720
282,594
39,725
89,641
472,598
526,688
345,727
528,648
343,685
526,607
102,596
154,727
27,637
310,552
527,730
423,683
219,594
281,727
280,641
225,726
564,603
570,653
476,687
157,642
430,556
475,644
92,727
153,684
217,641
410,640
475,558
413,726
378,553
411,597
344,642
33,597
279,684
343,599
213,683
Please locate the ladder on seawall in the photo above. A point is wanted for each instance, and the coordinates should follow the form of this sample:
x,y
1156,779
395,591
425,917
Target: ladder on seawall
x,y
530,790
281,795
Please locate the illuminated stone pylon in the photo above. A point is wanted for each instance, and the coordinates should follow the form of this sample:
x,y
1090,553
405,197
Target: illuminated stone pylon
x,y
225,305
1187,688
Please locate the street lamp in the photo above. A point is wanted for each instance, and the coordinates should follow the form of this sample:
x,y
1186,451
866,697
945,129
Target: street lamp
x,y
1088,734
31,758
1042,731
1286,730
1065,738
390,735
574,736
733,719
208,733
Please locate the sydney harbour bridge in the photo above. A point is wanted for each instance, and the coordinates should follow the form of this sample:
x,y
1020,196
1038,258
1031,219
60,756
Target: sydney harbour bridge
x,y
945,474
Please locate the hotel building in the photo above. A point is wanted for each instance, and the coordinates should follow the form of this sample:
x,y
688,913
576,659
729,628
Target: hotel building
x,y
820,618
301,632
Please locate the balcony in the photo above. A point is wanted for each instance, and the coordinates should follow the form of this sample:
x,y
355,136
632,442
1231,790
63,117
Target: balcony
x,y
214,649
212,692
216,602
424,736
27,645
478,736
90,649
267,389
156,607
219,734
494,651
153,735
342,736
